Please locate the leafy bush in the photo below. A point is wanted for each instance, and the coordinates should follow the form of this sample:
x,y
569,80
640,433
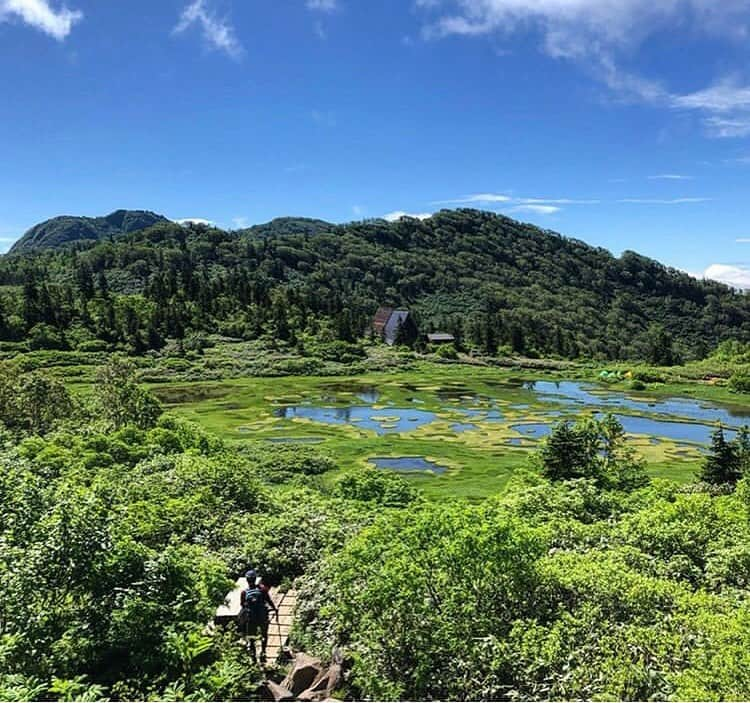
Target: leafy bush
x,y
369,484
740,381
446,351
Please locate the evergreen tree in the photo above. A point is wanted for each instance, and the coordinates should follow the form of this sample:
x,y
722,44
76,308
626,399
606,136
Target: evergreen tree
x,y
723,464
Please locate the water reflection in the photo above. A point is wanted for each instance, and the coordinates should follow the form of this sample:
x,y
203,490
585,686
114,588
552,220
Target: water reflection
x,y
571,394
385,421
407,464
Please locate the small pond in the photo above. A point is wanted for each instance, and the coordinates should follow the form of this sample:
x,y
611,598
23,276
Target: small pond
x,y
383,421
694,433
407,464
572,394
677,419
295,440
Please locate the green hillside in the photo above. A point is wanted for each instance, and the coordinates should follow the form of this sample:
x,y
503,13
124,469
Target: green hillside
x,y
496,284
66,229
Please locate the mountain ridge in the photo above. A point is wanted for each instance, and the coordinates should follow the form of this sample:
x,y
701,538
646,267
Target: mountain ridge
x,y
491,281
70,229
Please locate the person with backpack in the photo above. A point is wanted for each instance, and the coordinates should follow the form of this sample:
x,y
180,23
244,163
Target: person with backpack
x,y
255,603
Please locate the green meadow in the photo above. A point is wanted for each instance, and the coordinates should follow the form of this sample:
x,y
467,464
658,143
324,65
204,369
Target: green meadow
x,y
475,431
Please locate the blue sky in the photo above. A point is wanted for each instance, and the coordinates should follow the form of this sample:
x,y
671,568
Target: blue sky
x,y
625,123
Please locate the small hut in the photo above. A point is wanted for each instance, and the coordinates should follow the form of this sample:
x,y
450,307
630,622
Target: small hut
x,y
438,338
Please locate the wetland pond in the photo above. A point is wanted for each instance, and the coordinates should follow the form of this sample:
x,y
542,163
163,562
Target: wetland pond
x,y
517,414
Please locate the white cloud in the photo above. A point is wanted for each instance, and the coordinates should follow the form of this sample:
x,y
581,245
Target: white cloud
x,y
574,28
322,5
195,221
665,201
41,15
240,222
596,33
537,209
478,198
733,275
218,33
725,96
670,177
396,216
539,206
558,201
725,127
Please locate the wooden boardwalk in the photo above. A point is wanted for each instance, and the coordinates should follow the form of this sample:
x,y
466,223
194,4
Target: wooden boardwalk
x,y
278,631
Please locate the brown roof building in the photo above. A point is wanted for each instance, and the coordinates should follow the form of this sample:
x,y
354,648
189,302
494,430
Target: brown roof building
x,y
394,325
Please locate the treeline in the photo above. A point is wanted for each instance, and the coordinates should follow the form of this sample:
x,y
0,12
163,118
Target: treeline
x,y
498,285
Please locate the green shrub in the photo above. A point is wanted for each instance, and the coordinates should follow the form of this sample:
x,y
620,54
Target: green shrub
x,y
372,485
445,351
740,381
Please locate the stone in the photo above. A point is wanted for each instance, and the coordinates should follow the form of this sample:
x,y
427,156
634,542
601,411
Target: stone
x,y
271,691
305,671
324,685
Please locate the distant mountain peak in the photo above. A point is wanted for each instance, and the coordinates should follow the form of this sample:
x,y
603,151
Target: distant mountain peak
x,y
68,229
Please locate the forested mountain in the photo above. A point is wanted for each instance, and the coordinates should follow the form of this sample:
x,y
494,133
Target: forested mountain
x,y
288,225
66,229
493,282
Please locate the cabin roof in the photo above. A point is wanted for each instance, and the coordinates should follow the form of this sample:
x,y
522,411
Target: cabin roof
x,y
441,337
381,319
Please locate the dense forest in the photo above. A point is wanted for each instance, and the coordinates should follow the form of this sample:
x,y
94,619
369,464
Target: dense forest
x,y
498,285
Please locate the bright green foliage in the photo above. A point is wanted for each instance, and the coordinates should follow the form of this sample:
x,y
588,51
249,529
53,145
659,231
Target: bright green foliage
x,y
120,401
740,381
33,402
593,449
407,589
119,539
369,484
286,462
559,591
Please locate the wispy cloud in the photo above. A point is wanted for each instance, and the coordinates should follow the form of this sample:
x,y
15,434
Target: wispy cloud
x,y
664,201
538,206
478,198
734,275
670,177
41,15
218,33
322,5
396,216
558,201
596,34
573,28
537,209
325,118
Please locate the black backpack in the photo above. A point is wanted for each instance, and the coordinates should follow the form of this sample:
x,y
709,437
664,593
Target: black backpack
x,y
254,611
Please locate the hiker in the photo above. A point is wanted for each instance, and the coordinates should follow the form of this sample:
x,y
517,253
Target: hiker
x,y
256,603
